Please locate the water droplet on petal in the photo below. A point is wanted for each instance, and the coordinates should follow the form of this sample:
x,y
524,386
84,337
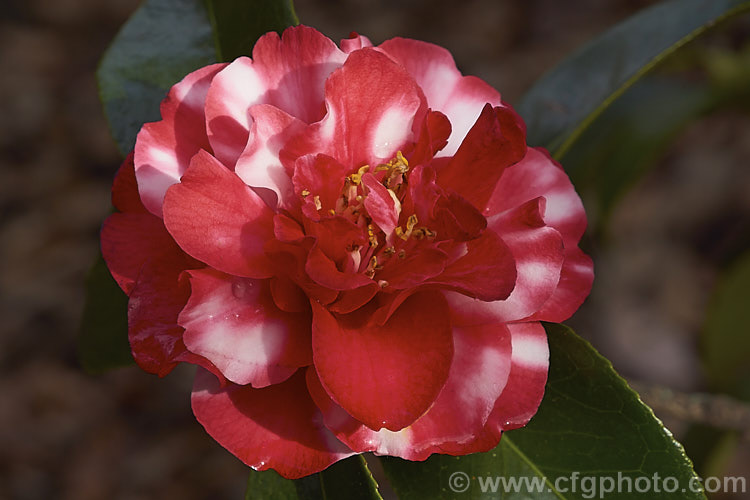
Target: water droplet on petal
x,y
239,289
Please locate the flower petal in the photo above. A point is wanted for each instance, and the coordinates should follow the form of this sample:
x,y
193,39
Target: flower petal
x,y
277,427
234,323
478,373
259,164
129,240
382,206
538,253
460,98
486,271
288,72
324,272
155,301
125,197
539,175
163,149
576,278
496,141
354,42
385,376
373,105
217,219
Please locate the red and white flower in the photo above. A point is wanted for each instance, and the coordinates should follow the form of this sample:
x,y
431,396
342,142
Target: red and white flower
x,y
355,246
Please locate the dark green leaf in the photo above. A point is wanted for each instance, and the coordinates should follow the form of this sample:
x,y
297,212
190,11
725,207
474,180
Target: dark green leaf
x,y
350,478
103,339
239,23
162,42
590,423
568,98
726,341
268,485
628,137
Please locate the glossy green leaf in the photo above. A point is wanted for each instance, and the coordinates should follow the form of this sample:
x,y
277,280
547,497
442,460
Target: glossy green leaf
x,y
350,478
162,42
570,96
238,23
726,334
103,338
591,426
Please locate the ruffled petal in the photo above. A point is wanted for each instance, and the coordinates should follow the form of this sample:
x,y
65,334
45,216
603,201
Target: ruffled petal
x,y
385,376
496,141
216,218
287,72
323,271
372,106
540,175
478,374
486,271
524,391
155,301
460,98
259,165
234,323
538,253
576,278
163,149
277,427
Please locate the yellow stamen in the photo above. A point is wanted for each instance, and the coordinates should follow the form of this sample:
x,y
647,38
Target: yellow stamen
x,y
357,178
410,223
305,193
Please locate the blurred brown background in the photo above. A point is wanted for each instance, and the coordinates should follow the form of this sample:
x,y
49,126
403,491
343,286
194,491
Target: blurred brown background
x,y
128,435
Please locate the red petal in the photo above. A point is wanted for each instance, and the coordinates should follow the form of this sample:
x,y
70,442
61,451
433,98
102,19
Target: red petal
x,y
334,235
486,271
351,300
418,266
385,376
354,42
234,323
524,391
163,149
288,72
480,368
460,98
373,105
381,206
432,138
538,253
324,272
259,165
155,301
129,240
277,427
576,278
539,175
289,260
318,180
217,219
496,141
288,296
125,197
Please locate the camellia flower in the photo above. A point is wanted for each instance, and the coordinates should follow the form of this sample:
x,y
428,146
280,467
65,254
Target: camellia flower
x,y
356,247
